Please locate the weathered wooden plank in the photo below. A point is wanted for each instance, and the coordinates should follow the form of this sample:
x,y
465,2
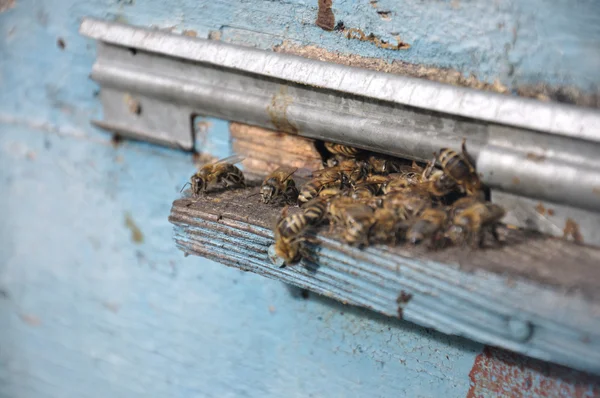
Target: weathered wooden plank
x,y
535,295
265,150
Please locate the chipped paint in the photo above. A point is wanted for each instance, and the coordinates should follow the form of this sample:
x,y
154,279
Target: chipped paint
x,y
358,34
571,231
385,15
6,5
540,208
325,17
136,232
190,33
402,301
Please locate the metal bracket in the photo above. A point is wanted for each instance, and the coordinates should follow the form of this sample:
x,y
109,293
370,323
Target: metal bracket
x,y
153,82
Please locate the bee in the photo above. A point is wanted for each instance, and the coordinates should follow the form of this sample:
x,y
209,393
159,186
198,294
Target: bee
x,y
358,220
461,205
315,210
331,162
343,150
322,179
353,170
471,222
406,205
368,188
280,185
436,182
335,210
331,193
385,226
429,225
288,249
460,169
383,166
221,172
288,236
400,182
291,226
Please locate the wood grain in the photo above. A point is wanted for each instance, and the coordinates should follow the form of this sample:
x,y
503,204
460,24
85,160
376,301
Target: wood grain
x,y
535,295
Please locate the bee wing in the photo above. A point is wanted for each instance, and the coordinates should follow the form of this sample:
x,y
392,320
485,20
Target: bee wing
x,y
233,159
286,171
376,179
414,168
319,173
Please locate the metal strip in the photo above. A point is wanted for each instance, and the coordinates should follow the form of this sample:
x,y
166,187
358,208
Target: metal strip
x,y
519,112
153,82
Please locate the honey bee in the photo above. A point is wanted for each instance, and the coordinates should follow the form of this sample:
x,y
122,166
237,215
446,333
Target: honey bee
x,y
460,169
322,179
315,211
331,162
336,209
461,205
385,226
280,185
288,249
358,219
383,166
471,222
366,189
406,205
343,150
429,225
400,182
330,193
353,170
221,172
288,236
291,226
436,182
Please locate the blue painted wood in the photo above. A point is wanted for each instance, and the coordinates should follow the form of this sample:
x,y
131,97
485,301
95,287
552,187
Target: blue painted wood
x,y
87,311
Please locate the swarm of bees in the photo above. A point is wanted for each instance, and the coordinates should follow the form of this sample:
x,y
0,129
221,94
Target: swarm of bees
x,y
369,199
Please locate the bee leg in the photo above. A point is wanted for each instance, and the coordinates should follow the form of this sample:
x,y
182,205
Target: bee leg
x,y
331,226
306,255
436,242
494,231
429,168
466,154
476,239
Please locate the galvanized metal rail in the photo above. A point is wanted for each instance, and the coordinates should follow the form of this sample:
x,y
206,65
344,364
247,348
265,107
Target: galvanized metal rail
x,y
538,296
533,155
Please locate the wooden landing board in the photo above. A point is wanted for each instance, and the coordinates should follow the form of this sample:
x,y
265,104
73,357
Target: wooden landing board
x,y
535,295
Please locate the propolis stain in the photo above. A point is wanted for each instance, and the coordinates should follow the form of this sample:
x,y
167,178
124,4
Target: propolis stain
x,y
136,233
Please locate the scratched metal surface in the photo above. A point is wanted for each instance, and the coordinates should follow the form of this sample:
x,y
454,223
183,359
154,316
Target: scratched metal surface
x,y
90,306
